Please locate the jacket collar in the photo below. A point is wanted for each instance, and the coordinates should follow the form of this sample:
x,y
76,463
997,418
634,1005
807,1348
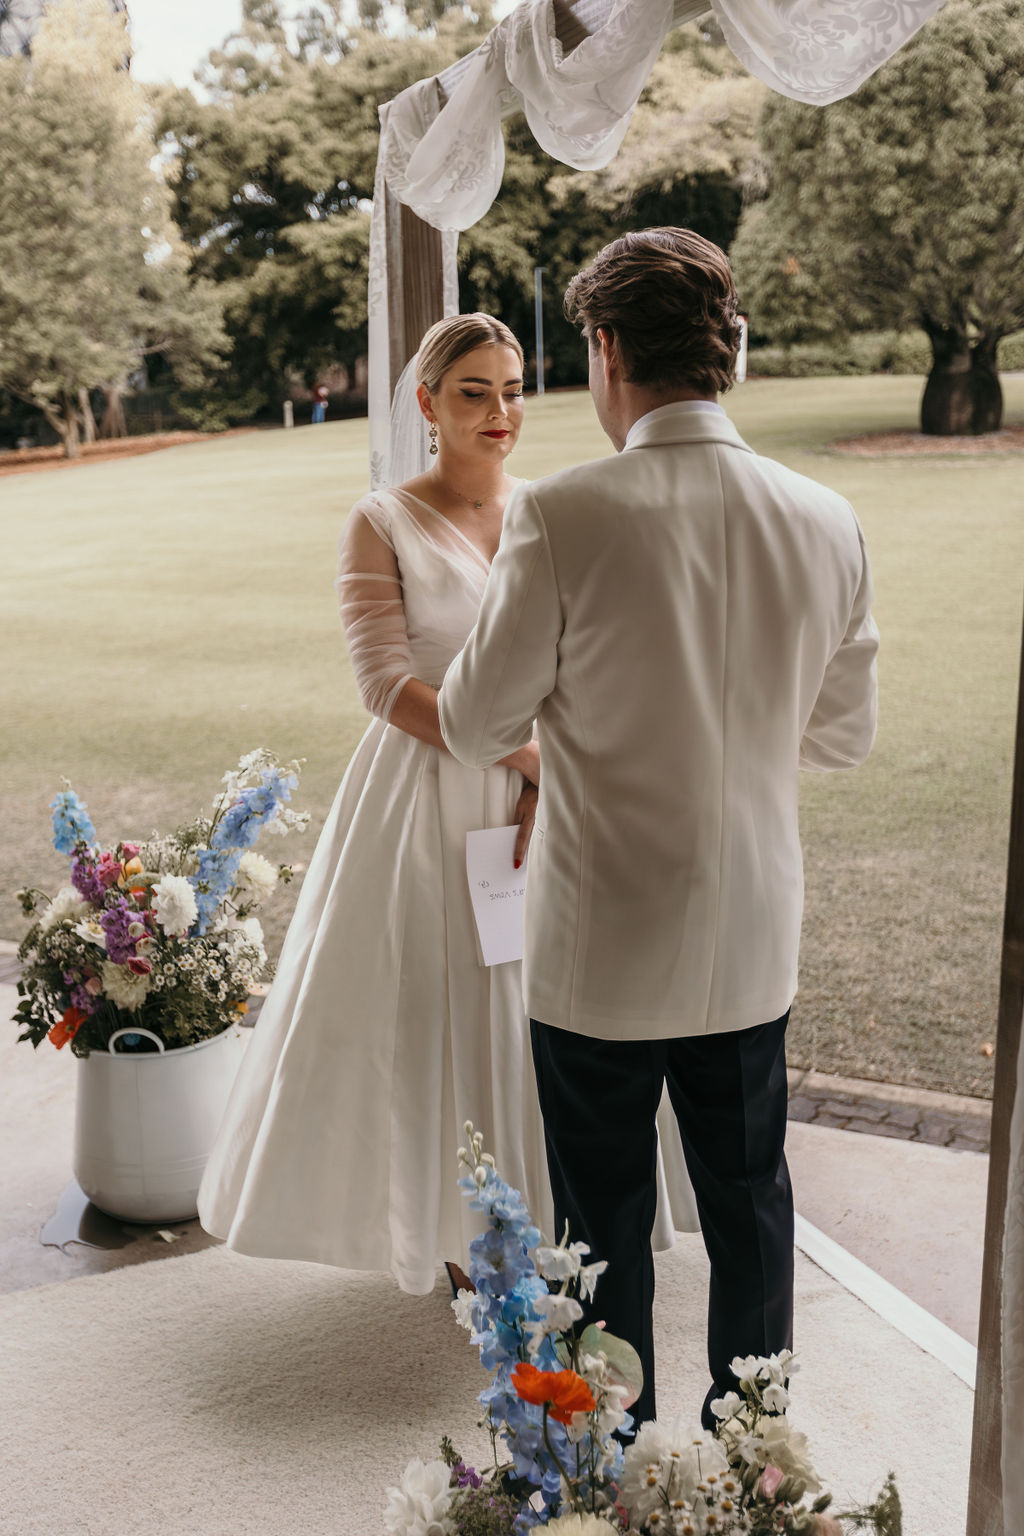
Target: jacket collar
x,y
677,424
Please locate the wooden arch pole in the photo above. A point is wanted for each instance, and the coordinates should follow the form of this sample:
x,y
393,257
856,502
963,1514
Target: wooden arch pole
x,y
985,1506
414,267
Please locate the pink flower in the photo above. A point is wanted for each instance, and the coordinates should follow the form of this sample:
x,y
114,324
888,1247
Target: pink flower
x,y
138,966
108,868
771,1477
129,850
94,986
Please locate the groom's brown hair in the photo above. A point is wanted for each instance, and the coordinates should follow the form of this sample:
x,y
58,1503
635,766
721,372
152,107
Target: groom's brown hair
x,y
668,297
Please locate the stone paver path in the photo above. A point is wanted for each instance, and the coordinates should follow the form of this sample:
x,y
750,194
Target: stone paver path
x,y
889,1109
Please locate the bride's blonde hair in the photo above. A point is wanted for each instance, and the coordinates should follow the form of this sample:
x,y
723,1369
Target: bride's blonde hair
x,y
451,339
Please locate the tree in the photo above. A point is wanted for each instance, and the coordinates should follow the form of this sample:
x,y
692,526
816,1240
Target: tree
x,y
272,177
690,149
903,206
92,274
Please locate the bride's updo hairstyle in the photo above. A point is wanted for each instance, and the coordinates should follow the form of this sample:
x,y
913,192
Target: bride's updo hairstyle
x,y
451,339
668,297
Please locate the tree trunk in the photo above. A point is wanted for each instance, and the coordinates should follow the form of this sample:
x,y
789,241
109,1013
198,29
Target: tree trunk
x,y
65,422
88,419
963,394
113,423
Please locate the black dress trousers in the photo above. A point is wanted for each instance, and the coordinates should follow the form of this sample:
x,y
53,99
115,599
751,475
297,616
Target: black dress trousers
x,y
599,1100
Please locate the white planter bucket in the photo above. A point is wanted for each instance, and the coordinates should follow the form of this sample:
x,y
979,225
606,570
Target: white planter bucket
x,y
145,1125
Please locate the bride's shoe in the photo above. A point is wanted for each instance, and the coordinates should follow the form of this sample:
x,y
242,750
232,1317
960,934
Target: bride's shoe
x,y
458,1279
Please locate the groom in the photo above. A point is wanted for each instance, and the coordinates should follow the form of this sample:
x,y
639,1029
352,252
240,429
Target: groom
x,y
689,624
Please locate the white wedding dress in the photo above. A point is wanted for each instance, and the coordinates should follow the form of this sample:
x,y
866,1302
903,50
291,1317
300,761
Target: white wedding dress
x,y
383,1031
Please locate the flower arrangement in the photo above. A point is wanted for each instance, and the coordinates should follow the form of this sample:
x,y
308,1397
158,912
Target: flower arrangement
x,y
159,934
558,1401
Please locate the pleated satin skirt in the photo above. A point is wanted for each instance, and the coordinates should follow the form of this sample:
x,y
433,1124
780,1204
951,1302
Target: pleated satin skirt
x,y
382,1034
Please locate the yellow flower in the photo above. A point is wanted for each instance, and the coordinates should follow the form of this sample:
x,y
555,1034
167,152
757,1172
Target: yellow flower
x,y
129,870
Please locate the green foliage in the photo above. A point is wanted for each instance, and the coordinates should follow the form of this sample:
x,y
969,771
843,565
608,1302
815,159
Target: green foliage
x,y
902,203
863,352
93,276
486,1511
272,178
901,206
689,150
884,1516
273,174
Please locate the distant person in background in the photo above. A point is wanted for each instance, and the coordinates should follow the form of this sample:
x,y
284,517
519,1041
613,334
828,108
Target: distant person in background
x,y
319,403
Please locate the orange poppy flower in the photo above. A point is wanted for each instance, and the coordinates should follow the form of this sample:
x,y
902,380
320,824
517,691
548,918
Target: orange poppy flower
x,y
67,1028
564,1392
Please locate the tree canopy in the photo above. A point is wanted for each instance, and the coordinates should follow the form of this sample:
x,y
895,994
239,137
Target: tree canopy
x,y
902,206
273,176
93,274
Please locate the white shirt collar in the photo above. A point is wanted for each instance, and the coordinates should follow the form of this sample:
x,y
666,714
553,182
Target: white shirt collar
x,y
669,410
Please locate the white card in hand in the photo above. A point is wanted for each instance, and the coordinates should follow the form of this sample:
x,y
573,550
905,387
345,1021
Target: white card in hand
x,y
497,890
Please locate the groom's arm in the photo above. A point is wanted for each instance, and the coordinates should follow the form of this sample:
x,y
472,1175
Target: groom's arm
x,y
841,730
495,686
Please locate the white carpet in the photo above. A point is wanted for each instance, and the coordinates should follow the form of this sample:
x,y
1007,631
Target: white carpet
x,y
214,1395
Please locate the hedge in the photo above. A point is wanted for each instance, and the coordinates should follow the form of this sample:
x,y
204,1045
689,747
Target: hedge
x,y
866,352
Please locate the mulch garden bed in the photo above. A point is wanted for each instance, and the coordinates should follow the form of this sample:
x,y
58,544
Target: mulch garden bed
x,y
908,444
21,461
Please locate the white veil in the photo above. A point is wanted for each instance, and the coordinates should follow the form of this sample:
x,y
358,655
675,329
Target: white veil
x,y
408,443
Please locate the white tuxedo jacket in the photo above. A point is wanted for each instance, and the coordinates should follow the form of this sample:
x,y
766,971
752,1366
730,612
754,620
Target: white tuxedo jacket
x,y
689,624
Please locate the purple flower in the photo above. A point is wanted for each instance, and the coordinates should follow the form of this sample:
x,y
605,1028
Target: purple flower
x,y
83,1000
86,880
115,922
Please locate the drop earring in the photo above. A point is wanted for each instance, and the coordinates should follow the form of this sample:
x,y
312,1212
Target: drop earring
x,y
433,437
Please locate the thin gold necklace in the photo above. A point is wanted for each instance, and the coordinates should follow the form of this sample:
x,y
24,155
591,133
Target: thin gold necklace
x,y
472,501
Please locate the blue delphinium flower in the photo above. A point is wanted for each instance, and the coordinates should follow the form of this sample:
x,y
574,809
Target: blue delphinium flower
x,y
503,1270
212,882
499,1260
71,824
243,821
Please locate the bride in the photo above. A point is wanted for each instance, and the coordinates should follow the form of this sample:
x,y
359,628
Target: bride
x,y
384,1032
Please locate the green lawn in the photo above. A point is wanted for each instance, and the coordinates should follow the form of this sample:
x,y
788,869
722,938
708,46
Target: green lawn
x,y
164,614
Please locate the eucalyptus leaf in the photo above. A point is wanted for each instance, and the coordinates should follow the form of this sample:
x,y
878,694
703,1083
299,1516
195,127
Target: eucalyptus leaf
x,y
623,1361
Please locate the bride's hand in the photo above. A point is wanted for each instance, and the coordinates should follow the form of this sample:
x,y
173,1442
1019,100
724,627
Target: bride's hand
x,y
527,761
526,811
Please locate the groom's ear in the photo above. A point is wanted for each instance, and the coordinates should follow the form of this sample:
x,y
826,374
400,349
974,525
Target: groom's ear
x,y
605,344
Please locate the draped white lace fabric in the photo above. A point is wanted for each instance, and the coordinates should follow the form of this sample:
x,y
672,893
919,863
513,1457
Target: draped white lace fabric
x,y
398,434
1013,1319
447,166
818,51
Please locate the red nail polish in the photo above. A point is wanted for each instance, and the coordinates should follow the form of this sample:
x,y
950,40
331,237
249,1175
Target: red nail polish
x,y
516,863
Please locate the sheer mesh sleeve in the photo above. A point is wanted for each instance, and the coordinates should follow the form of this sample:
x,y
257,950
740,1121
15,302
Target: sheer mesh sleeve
x,y
369,588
